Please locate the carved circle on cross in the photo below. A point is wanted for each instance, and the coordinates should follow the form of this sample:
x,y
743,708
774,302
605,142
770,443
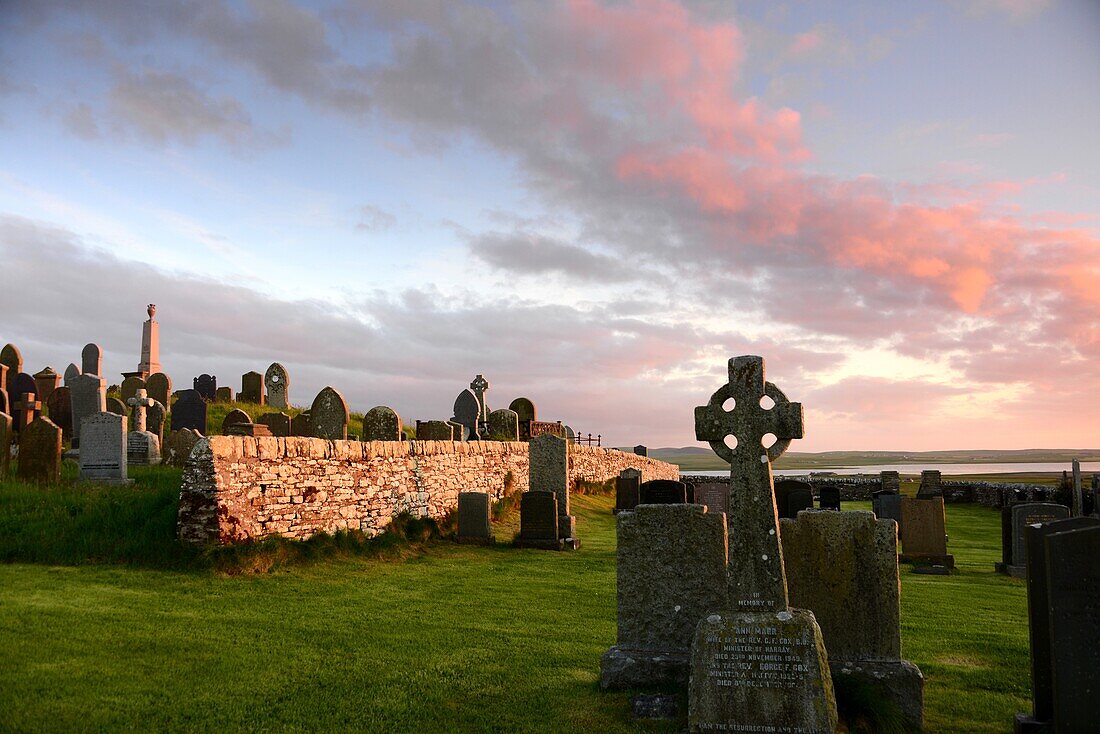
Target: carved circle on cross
x,y
719,398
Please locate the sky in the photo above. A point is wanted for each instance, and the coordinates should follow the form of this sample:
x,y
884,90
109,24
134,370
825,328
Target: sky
x,y
594,204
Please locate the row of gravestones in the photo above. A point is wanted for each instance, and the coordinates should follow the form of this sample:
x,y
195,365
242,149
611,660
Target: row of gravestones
x,y
474,420
272,388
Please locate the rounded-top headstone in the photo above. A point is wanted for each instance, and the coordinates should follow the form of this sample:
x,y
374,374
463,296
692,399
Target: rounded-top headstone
x,y
503,425
130,386
40,451
468,411
277,383
91,359
382,423
21,383
524,408
70,372
159,387
60,408
114,405
13,358
234,417
328,416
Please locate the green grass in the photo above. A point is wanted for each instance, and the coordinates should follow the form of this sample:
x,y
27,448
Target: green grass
x,y
107,623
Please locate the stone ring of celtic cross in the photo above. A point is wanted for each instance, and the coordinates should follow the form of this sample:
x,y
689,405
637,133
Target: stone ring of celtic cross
x,y
724,393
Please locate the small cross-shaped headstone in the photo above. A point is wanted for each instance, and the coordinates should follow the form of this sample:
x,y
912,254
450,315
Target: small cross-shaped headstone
x,y
736,431
480,386
27,408
140,402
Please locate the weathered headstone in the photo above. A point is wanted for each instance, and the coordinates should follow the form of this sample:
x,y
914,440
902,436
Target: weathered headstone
x,y
737,684
114,405
480,386
924,533
142,445
180,444
300,425
130,387
538,521
45,382
277,384
473,518
70,372
329,415
277,423
671,572
156,418
890,481
715,496
59,406
189,411
91,360
434,431
40,452
5,443
224,395
502,425
103,448
382,423
887,506
159,387
663,492
252,388
25,410
1019,517
783,504
524,409
931,484
207,386
232,418
89,396
468,413
549,472
13,358
139,402
1063,594
844,568
829,498
627,490
641,450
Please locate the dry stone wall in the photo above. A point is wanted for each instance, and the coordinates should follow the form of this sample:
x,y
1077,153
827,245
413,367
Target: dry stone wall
x,y
240,488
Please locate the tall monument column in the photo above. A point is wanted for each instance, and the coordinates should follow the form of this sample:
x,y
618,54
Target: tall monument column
x,y
150,344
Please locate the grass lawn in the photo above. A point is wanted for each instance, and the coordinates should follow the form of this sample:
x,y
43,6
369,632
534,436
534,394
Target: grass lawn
x,y
433,637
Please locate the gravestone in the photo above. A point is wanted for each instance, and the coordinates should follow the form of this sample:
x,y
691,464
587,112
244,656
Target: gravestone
x,y
277,384
45,382
844,568
627,490
736,682
89,396
278,424
232,418
663,492
224,395
189,411
5,443
931,484
890,481
142,446
829,498
538,521
783,490
91,360
524,409
27,408
473,518
887,506
328,416
140,403
480,386
150,343
671,572
549,472
20,383
502,425
641,450
252,388
1077,496
207,386
13,359
1020,516
40,452
180,444
114,405
159,387
799,499
129,388
156,419
4,407
382,423
70,372
924,533
715,496
1063,594
248,429
434,431
4,380
103,450
300,425
59,407
468,413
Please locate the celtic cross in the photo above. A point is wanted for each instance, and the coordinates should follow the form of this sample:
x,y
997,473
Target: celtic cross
x,y
480,386
757,581
140,402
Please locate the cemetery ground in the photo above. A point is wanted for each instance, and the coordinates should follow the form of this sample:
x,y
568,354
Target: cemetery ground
x,y
106,622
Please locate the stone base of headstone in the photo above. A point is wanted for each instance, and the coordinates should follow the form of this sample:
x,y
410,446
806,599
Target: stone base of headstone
x,y
1018,572
920,560
465,540
898,681
655,706
543,544
142,449
932,570
1028,724
622,669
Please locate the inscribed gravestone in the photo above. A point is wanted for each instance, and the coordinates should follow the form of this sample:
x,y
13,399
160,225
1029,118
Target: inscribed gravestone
x,y
59,406
467,411
89,396
549,472
434,431
207,386
45,382
503,425
890,481
224,395
538,521
473,518
91,360
329,415
663,492
159,387
931,484
627,489
382,423
277,423
277,384
783,490
70,372
13,358
1022,515
130,386
924,532
40,452
252,388
829,498
103,450
232,418
671,572
142,446
844,568
114,405
189,411
524,409
715,496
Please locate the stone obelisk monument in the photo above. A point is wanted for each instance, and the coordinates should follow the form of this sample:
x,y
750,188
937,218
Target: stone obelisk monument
x,y
150,344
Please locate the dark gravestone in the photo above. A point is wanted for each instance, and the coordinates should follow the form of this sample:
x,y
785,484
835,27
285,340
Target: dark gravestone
x,y
40,452
473,518
116,406
300,425
5,443
829,498
4,407
252,388
233,418
459,431
89,396
641,450
538,521
59,407
799,499
627,490
206,386
783,490
434,431
467,411
931,484
663,492
91,360
156,418
1063,595
525,409
189,411
159,387
277,423
887,506
1022,515
224,395
328,416
890,481
130,386
715,496
248,429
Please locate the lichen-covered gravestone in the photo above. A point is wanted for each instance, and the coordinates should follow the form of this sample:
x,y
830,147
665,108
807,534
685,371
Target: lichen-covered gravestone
x,y
715,496
277,423
180,444
329,415
300,426
759,665
142,446
277,384
40,452
549,472
891,481
473,518
524,409
159,387
503,425
89,396
931,484
434,431
382,423
59,406
91,360
252,388
103,451
671,572
189,411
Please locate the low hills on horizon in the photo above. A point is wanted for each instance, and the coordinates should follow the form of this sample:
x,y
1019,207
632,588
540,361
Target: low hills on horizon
x,y
701,458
